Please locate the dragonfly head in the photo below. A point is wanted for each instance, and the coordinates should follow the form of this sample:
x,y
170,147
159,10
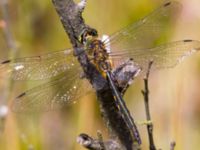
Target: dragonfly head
x,y
87,35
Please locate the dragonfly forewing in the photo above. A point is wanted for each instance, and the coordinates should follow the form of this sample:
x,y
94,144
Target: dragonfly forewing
x,y
146,32
39,67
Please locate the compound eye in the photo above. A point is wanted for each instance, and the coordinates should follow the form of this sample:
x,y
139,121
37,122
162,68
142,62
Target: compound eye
x,y
86,34
93,32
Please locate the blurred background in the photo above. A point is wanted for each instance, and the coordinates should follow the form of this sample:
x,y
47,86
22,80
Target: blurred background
x,y
174,93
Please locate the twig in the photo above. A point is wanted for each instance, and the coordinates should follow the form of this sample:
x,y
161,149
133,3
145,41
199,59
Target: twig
x,y
70,15
100,138
172,145
6,29
145,93
96,144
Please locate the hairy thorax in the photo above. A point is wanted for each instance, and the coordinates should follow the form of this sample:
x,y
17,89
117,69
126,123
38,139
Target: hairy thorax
x,y
98,55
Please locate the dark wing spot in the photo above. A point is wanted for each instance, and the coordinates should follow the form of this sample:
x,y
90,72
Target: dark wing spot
x,y
21,95
6,61
188,40
167,4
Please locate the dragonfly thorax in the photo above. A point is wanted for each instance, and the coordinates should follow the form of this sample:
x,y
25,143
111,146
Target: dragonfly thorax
x,y
98,55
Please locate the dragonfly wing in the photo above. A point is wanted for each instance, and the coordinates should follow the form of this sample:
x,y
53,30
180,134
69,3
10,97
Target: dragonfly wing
x,y
164,56
39,67
146,32
52,95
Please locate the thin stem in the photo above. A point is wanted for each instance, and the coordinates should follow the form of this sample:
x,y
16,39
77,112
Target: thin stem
x,y
6,29
172,145
100,138
145,93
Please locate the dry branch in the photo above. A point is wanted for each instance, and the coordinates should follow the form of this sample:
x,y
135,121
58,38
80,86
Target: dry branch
x,y
70,15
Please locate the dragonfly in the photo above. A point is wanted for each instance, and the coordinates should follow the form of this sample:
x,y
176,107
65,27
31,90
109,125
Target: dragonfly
x,y
126,55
